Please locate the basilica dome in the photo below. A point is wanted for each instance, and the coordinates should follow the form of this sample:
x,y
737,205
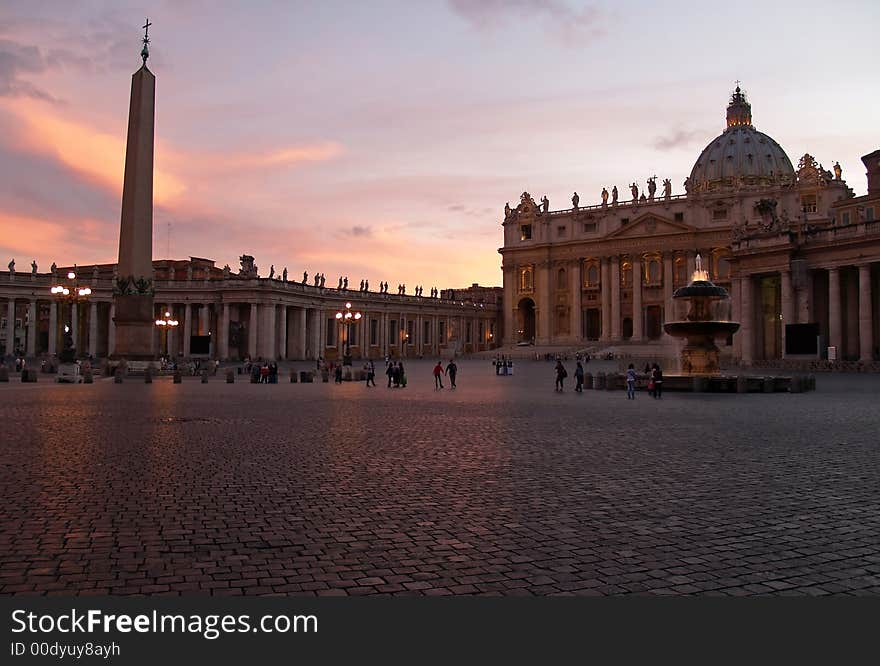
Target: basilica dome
x,y
741,155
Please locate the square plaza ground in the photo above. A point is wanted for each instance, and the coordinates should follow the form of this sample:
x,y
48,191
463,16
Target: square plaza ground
x,y
500,487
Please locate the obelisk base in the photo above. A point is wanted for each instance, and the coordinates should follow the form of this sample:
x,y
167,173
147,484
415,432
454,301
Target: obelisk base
x,y
134,322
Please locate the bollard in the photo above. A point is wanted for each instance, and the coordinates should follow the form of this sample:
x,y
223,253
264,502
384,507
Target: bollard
x,y
293,376
588,380
230,376
88,377
204,375
178,378
117,376
767,386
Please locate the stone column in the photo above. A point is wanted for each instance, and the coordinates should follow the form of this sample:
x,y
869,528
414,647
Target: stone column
x,y
111,331
605,278
736,314
204,319
10,327
317,340
32,329
577,314
269,330
223,333
834,323
668,280
74,326
187,327
172,339
509,304
383,334
93,329
253,330
866,324
302,332
53,328
543,336
746,296
281,346
786,294
638,326
615,299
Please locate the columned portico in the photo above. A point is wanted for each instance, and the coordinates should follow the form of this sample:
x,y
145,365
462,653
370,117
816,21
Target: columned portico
x,y
615,299
187,327
576,322
252,332
668,301
834,323
32,329
746,329
53,327
93,329
605,281
788,303
638,326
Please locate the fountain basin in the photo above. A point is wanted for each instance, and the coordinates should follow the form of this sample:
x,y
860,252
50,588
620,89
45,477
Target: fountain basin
x,y
687,329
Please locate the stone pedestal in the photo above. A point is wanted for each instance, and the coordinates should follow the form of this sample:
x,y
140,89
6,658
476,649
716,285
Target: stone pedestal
x,y
134,324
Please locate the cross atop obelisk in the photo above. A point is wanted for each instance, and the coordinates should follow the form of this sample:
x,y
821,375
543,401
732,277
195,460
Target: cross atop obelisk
x,y
145,52
134,289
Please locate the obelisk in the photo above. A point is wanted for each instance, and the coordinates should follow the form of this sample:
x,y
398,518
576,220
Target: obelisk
x,y
133,292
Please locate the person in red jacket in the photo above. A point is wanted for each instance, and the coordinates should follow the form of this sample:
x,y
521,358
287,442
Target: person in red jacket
x,y
438,375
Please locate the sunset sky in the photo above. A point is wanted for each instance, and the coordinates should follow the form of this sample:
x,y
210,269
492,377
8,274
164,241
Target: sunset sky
x,y
381,139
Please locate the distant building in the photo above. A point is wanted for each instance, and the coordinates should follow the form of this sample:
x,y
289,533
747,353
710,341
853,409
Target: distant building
x,y
792,246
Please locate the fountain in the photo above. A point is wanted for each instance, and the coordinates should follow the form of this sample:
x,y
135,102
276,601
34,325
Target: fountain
x,y
700,354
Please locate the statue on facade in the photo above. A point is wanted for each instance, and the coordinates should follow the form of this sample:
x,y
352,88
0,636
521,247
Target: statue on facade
x,y
34,267
575,200
642,198
366,285
284,274
687,185
362,286
345,282
11,267
248,267
635,192
667,188
226,272
506,211
339,286
614,195
838,172
652,187
545,204
604,197
54,269
272,271
306,278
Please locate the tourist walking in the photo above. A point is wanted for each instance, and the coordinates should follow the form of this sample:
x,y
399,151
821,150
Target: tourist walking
x,y
438,376
401,375
561,374
264,374
452,371
371,373
657,378
337,374
579,378
389,370
631,382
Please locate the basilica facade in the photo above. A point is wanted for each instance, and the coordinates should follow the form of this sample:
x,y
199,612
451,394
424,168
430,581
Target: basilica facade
x,y
799,255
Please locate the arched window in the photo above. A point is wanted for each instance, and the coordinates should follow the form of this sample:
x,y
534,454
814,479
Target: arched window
x,y
626,274
592,274
653,270
720,265
526,279
560,279
680,276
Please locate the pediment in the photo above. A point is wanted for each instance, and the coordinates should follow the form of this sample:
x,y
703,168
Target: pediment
x,y
650,224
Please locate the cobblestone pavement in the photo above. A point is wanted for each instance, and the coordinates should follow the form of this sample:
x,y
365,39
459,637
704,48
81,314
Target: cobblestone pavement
x,y
500,487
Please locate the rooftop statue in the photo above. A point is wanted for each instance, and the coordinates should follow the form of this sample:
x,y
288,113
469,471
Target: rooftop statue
x,y
635,191
54,269
34,267
284,274
271,271
838,172
667,188
545,204
604,196
11,267
652,187
575,200
614,195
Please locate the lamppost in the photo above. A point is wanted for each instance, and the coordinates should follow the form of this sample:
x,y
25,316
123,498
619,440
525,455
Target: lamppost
x,y
166,324
347,318
70,292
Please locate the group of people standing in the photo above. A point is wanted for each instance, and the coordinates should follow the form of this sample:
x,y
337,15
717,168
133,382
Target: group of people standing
x,y
396,374
653,372
451,371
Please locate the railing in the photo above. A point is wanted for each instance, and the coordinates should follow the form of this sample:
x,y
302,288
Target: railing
x,y
620,204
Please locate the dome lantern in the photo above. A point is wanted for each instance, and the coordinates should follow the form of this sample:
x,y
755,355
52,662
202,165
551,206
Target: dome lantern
x,y
739,111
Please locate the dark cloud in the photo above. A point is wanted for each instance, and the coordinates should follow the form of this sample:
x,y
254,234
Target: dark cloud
x,y
561,19
678,139
358,231
18,60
